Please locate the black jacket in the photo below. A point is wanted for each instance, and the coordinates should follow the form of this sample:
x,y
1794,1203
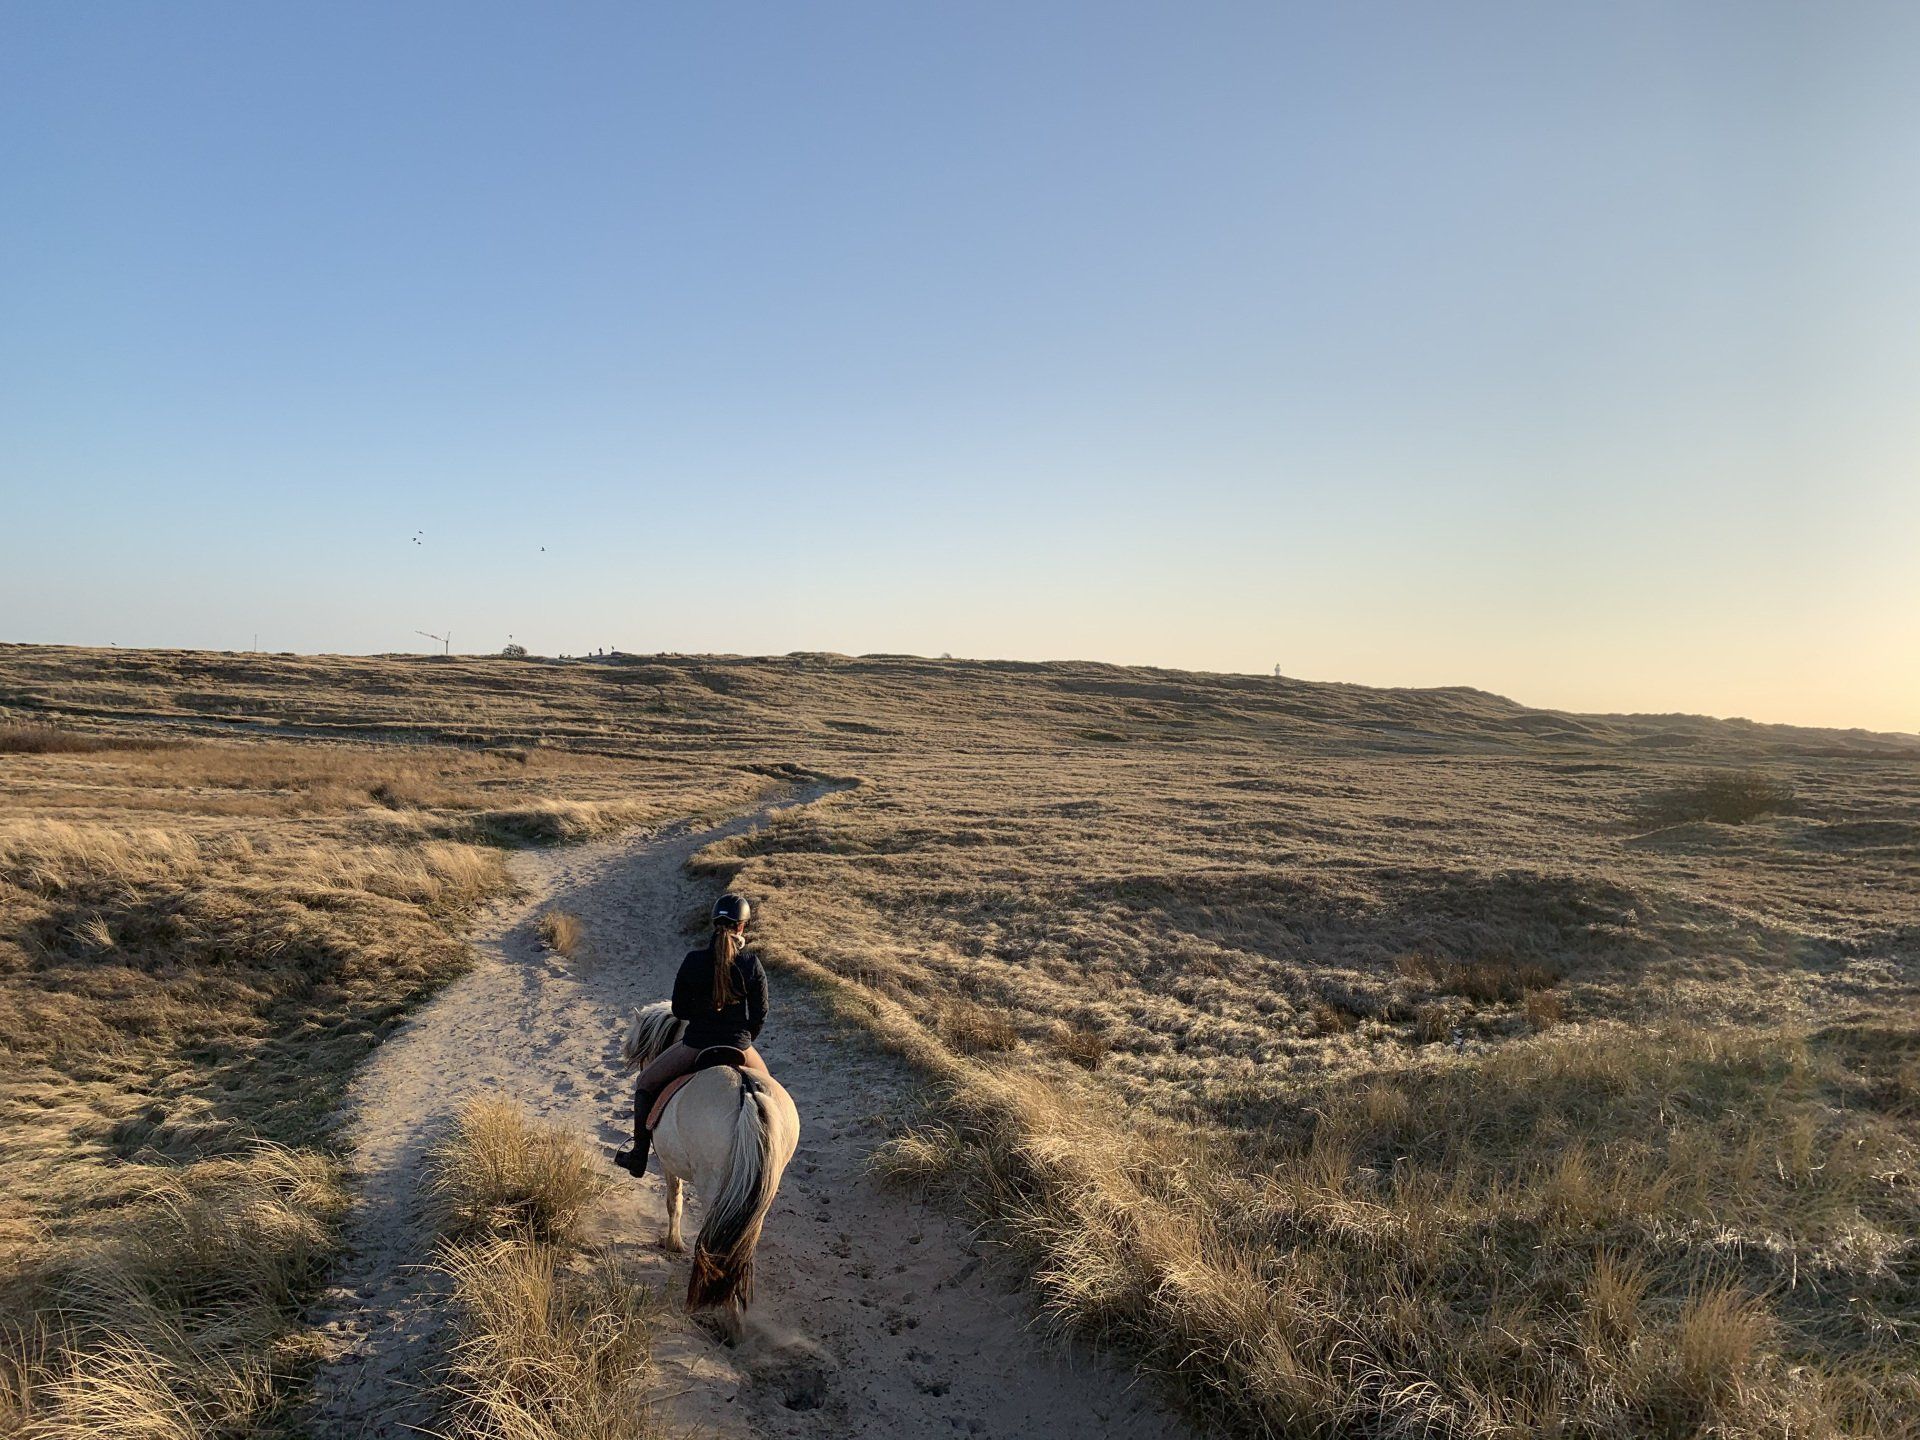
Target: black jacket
x,y
739,1024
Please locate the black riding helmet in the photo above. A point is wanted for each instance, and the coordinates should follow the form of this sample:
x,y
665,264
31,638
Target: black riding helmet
x,y
733,909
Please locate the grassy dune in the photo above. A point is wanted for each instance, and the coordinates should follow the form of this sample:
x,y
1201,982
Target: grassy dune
x,y
1363,1061
198,941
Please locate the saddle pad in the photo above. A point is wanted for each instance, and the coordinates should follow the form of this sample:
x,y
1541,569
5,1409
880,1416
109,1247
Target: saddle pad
x,y
660,1106
712,1056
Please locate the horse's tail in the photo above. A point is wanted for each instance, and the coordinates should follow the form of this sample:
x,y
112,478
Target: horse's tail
x,y
723,1254
650,1032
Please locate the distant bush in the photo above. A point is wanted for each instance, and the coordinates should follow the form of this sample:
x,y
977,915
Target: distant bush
x,y
547,822
1729,797
1331,1019
47,740
1485,980
1543,1009
513,652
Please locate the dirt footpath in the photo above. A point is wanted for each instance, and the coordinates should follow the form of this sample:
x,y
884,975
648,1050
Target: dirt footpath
x,y
874,1314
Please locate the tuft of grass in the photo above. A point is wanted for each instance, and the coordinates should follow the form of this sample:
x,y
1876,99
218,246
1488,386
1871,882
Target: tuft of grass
x,y
975,1030
1083,1045
1436,1021
545,1349
163,1322
1720,1343
544,1352
1331,1018
498,1172
560,932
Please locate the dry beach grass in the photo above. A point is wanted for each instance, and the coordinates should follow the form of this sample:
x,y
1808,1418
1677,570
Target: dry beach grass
x,y
552,1345
198,941
1364,1061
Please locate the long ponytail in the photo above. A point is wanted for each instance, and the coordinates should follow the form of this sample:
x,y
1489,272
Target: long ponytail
x,y
725,949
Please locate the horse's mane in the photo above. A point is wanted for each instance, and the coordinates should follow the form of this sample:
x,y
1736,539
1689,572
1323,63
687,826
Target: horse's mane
x,y
652,1029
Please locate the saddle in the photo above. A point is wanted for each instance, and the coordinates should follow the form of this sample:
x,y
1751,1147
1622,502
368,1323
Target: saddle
x,y
708,1059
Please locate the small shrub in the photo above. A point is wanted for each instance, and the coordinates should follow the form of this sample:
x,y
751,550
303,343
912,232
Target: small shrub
x,y
976,1030
549,822
1435,1022
1331,1019
1487,980
513,652
1728,797
1543,1009
560,932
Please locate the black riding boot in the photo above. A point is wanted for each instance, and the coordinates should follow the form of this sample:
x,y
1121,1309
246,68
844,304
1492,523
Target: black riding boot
x,y
634,1161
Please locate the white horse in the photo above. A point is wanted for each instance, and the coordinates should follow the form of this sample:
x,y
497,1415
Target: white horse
x,y
731,1132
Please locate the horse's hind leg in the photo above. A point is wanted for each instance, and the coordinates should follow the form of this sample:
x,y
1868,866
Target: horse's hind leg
x,y
676,1193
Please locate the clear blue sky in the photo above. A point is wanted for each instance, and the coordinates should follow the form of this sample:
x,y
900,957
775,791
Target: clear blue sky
x,y
1571,351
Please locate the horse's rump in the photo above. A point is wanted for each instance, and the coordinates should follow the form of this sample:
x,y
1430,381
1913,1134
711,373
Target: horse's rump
x,y
711,1058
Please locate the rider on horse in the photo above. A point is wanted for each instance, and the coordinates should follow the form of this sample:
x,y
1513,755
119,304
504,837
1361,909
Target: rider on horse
x,y
721,992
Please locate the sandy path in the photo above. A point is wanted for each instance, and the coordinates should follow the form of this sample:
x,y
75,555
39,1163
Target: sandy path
x,y
875,1315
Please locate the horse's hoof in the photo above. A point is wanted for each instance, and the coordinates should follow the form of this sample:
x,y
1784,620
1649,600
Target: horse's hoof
x,y
725,1324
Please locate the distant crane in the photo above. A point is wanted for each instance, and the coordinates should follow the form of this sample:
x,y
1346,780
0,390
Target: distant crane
x,y
446,640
